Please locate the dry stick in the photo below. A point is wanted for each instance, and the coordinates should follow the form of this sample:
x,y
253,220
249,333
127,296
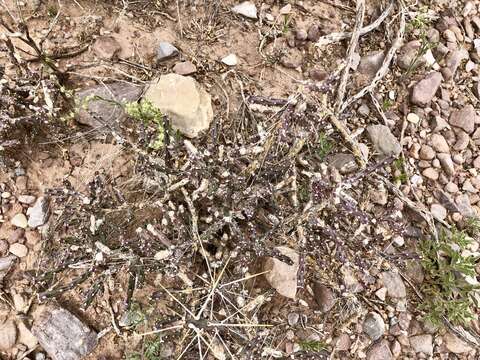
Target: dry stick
x,y
350,54
336,37
385,66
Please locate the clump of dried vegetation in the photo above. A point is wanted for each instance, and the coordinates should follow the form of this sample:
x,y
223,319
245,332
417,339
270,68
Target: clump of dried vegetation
x,y
191,222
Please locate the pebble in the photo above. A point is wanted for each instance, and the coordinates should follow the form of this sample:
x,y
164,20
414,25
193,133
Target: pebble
x,y
447,164
379,351
230,60
385,143
374,326
422,344
424,91
413,118
247,9
313,33
430,173
371,63
455,345
6,195
408,54
282,276
343,343
476,163
364,110
462,141
394,284
439,143
324,297
184,68
426,153
38,214
19,220
464,118
438,211
166,51
18,250
26,199
451,187
318,74
381,293
293,318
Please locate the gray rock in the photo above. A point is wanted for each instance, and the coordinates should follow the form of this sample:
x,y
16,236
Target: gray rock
x,y
344,163
293,318
247,9
415,272
166,51
438,211
8,335
374,326
464,118
424,91
422,344
38,214
364,110
384,142
439,143
371,63
62,335
408,54
464,206
324,297
379,351
394,284
282,276
447,164
187,104
95,108
426,153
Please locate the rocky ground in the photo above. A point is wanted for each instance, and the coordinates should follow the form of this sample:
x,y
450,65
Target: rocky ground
x,y
239,180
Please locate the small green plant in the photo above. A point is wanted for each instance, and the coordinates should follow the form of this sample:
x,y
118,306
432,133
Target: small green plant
x,y
286,24
52,11
398,165
148,113
472,226
150,350
447,291
324,146
312,345
387,104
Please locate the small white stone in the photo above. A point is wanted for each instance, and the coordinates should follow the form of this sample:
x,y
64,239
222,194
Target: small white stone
x,y
19,220
247,9
399,241
413,118
230,60
18,249
162,255
381,293
6,195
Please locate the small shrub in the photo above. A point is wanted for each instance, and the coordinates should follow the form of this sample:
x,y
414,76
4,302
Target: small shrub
x,y
324,146
312,345
448,293
148,113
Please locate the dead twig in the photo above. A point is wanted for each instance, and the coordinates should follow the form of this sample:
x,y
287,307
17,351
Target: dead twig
x,y
350,54
386,63
336,37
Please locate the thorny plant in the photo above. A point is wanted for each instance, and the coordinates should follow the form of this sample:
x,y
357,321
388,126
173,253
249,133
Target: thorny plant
x,y
451,290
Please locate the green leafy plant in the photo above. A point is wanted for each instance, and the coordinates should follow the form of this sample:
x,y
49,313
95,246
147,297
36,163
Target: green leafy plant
x,y
324,146
312,345
447,265
387,104
150,350
148,113
398,165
